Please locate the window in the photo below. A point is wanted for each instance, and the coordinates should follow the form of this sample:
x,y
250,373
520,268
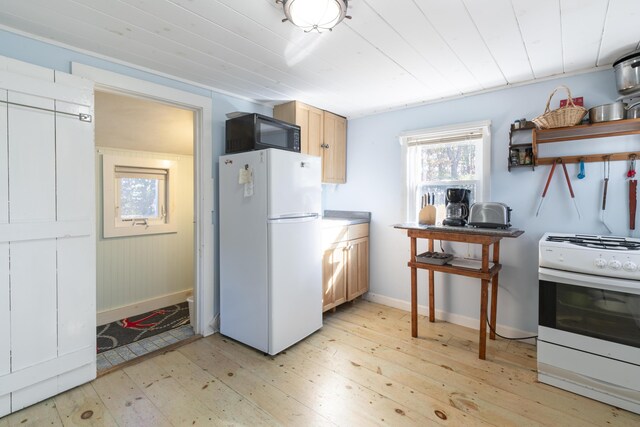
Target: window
x,y
138,196
439,158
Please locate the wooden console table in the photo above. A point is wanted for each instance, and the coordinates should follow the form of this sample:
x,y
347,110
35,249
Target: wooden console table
x,y
486,274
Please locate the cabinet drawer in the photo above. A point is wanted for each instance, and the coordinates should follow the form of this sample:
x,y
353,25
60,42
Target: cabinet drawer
x,y
357,231
343,233
334,234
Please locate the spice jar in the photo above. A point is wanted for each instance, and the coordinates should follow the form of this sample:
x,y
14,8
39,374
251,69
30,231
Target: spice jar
x,y
514,156
528,156
523,158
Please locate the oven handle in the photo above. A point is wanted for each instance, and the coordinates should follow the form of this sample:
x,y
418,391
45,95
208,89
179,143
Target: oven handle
x,y
590,281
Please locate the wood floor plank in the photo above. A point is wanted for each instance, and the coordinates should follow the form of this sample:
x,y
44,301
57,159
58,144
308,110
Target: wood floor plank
x,y
272,400
432,332
41,414
521,381
230,407
346,402
82,406
361,368
437,351
453,389
126,402
433,409
172,400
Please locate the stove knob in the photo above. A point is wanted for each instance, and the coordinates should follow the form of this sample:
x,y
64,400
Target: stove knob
x,y
630,266
600,262
614,264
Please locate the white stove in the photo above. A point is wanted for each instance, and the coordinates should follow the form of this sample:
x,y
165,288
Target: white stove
x,y
609,256
589,316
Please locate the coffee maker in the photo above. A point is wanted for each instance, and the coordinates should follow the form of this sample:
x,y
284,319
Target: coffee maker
x,y
457,208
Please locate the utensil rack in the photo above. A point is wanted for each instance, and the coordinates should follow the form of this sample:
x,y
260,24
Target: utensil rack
x,y
590,131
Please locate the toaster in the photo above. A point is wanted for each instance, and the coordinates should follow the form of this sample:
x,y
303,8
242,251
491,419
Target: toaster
x,y
490,215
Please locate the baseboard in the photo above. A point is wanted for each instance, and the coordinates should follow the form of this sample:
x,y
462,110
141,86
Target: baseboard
x,y
457,319
111,315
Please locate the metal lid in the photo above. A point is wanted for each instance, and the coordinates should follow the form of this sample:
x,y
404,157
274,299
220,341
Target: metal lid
x,y
626,56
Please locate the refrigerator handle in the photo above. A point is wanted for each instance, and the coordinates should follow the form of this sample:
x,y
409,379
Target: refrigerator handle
x,y
295,218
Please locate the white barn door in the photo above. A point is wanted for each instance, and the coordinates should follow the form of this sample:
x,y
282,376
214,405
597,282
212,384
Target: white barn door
x,y
47,234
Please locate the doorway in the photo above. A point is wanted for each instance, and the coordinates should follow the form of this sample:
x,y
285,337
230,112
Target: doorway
x,y
145,226
204,256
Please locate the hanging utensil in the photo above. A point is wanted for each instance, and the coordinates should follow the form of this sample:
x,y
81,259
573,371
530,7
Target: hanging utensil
x,y
581,174
546,187
633,187
607,170
573,196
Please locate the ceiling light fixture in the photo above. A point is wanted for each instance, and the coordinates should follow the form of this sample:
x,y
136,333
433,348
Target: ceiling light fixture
x,y
315,15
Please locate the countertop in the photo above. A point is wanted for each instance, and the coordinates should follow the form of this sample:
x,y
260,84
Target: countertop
x,y
341,218
502,232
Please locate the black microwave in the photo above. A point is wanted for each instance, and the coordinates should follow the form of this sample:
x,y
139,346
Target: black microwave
x,y
256,132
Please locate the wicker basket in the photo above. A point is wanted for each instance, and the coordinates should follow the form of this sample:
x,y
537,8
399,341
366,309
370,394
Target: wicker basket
x,y
569,115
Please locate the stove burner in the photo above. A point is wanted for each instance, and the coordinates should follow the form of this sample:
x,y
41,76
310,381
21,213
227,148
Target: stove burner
x,y
598,242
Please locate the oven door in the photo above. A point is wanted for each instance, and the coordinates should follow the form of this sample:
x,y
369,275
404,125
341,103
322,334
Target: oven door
x,y
589,336
592,306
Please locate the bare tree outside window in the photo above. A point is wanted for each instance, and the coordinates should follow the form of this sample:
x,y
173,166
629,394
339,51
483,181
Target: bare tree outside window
x,y
445,165
139,198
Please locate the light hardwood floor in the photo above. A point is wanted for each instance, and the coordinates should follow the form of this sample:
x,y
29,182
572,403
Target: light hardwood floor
x,y
361,368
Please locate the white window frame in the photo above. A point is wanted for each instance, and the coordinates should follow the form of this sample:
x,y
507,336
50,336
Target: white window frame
x,y
436,135
113,224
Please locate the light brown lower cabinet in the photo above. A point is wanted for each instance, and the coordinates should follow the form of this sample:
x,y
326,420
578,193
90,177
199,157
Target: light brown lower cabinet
x,y
345,264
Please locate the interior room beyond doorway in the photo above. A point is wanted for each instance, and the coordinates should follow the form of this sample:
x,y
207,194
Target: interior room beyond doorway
x,y
145,225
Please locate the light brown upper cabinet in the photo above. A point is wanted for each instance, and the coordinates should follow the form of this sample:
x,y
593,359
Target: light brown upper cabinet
x,y
323,134
334,149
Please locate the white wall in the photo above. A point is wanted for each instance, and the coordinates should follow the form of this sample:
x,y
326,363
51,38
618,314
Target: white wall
x,y
374,183
139,268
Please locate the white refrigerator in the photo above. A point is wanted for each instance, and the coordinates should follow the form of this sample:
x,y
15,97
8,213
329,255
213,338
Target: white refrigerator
x,y
270,248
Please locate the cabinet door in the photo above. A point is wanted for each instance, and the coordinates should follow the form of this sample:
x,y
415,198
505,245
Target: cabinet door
x,y
334,154
357,267
334,276
310,120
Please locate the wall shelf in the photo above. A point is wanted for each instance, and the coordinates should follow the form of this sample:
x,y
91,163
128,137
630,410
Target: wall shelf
x,y
589,131
530,126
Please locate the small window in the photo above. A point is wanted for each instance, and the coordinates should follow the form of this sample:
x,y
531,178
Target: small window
x,y
137,196
439,158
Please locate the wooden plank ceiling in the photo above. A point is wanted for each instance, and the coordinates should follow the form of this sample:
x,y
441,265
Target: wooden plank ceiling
x,y
391,54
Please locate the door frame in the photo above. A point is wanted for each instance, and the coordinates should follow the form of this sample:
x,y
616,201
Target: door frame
x,y
203,172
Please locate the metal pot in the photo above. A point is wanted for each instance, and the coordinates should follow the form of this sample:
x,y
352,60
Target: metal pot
x,y
607,112
633,111
627,69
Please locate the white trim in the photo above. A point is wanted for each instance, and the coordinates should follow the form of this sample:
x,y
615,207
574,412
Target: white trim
x,y
111,315
204,190
418,104
448,129
456,319
113,226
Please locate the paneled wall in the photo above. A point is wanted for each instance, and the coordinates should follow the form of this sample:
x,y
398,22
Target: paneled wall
x,y
132,270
